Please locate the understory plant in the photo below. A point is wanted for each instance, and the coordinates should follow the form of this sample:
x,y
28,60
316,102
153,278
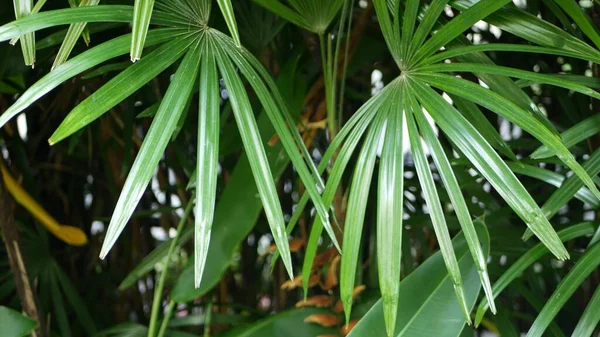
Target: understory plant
x,y
390,202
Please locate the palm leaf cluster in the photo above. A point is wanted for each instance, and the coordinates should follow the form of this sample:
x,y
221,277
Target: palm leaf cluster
x,y
436,87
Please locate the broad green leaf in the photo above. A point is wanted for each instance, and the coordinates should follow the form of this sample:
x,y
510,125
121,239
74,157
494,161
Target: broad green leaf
x,y
572,136
457,26
73,34
207,160
79,64
14,324
489,164
229,15
434,206
458,201
513,113
590,318
357,205
142,12
427,304
259,164
22,10
526,260
288,323
121,87
584,266
389,212
154,144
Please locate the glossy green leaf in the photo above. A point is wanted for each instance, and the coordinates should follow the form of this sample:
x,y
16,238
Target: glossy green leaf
x,y
568,189
501,84
408,27
101,13
434,206
14,324
490,165
515,114
77,65
142,12
389,212
207,160
259,164
73,34
590,318
572,136
507,47
152,148
351,134
528,26
429,20
427,304
584,266
512,72
526,260
238,204
582,20
385,23
120,87
554,179
457,26
229,15
458,201
357,205
38,6
277,111
22,10
474,115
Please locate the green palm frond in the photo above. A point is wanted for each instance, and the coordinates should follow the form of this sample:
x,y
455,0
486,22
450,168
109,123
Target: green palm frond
x,y
189,40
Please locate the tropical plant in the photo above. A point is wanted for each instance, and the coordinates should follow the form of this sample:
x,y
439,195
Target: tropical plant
x,y
456,82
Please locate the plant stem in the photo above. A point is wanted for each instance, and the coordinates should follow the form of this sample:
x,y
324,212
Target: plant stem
x,y
165,322
156,302
207,319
